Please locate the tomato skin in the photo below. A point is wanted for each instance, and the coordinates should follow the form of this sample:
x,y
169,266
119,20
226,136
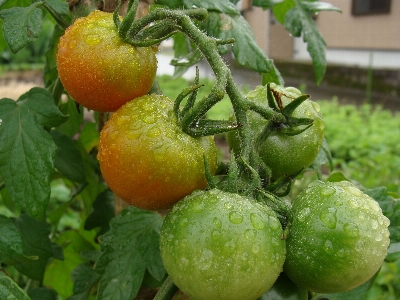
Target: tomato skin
x,y
285,154
147,160
338,238
219,245
98,69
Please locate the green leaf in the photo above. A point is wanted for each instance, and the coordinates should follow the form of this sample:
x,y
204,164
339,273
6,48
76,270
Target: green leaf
x,y
89,136
319,6
21,26
58,6
285,289
68,160
11,251
58,273
181,49
393,252
337,177
84,278
42,294
35,243
75,120
10,290
222,6
27,150
324,157
266,4
390,208
298,21
279,10
130,247
103,212
170,3
246,50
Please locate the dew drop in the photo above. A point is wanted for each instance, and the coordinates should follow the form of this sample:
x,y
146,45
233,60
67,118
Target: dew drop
x,y
154,132
327,191
216,234
328,246
273,222
228,205
235,217
250,234
92,39
198,207
257,221
374,224
378,237
303,214
149,119
184,261
351,229
328,217
217,222
359,245
206,259
230,246
374,205
255,248
353,190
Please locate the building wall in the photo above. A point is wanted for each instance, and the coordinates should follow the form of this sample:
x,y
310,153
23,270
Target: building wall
x,y
344,30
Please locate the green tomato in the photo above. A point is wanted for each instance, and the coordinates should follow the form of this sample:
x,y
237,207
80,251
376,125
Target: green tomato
x,y
284,154
338,238
219,245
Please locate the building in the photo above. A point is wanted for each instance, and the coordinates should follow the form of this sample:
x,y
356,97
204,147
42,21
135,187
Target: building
x,y
366,32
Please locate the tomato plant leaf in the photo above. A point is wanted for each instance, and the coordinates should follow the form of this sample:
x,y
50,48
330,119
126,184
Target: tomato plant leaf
x,y
68,160
84,278
103,212
58,6
279,10
222,6
42,294
130,247
390,208
181,49
298,21
284,288
35,242
58,273
10,290
393,252
319,6
27,150
245,49
266,4
21,25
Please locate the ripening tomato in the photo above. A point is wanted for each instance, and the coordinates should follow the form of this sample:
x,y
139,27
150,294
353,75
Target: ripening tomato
x,y
146,158
220,245
98,69
338,238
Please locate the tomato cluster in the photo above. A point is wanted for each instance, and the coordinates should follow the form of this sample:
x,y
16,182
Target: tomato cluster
x,y
216,244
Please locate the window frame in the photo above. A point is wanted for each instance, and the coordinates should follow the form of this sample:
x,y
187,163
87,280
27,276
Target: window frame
x,y
386,8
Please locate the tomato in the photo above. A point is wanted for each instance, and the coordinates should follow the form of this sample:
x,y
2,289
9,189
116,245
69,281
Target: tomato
x,y
147,160
220,245
285,154
338,238
98,69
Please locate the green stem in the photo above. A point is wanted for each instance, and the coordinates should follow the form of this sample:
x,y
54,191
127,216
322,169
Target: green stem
x,y
60,21
167,290
57,91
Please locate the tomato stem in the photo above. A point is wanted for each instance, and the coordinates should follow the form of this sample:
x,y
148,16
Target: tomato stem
x,y
167,290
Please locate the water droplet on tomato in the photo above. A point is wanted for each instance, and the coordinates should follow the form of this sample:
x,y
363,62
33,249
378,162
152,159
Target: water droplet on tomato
x,y
328,217
205,260
198,207
92,39
228,205
235,217
374,224
154,132
355,191
303,214
351,229
250,234
256,248
149,119
257,221
328,246
327,191
217,222
216,234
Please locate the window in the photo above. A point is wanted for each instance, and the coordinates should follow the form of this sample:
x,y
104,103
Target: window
x,y
369,7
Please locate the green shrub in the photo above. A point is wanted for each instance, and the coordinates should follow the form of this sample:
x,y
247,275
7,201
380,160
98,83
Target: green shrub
x,y
365,143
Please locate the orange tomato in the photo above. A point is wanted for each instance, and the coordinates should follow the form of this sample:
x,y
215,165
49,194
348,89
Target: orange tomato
x,y
147,160
98,69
